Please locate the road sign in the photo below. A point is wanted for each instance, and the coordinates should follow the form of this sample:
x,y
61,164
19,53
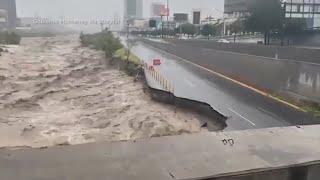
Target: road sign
x,y
164,11
152,23
156,62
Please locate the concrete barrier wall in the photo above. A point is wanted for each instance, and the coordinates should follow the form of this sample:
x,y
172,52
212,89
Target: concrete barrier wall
x,y
282,174
313,172
286,153
308,172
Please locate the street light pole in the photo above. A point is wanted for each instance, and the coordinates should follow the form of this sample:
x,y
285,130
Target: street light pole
x,y
128,29
224,22
161,26
168,13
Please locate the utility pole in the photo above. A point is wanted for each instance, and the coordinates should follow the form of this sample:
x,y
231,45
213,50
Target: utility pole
x,y
101,24
162,26
168,14
224,26
223,21
128,32
128,29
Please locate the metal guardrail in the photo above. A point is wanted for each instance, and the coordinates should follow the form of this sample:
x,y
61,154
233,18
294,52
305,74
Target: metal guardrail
x,y
158,77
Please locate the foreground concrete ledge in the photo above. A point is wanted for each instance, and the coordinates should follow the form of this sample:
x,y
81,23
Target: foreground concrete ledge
x,y
195,156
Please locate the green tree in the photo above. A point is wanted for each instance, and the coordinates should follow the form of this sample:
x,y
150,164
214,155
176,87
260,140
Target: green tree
x,y
294,25
189,29
237,27
209,30
103,41
111,44
9,38
266,16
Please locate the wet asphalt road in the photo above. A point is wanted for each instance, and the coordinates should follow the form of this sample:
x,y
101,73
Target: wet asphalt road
x,y
244,108
297,79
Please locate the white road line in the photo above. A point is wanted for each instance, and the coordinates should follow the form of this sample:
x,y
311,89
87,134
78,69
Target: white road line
x,y
242,116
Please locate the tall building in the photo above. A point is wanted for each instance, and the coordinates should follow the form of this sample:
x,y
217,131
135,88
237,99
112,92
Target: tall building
x,y
10,7
196,17
237,8
181,17
306,9
133,9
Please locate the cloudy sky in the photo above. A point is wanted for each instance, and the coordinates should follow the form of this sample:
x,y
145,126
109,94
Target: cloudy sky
x,y
107,8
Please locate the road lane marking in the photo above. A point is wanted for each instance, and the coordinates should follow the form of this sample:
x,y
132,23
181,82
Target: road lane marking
x,y
233,80
242,116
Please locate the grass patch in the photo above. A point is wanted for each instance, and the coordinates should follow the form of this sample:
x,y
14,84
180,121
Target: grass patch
x,y
311,107
133,66
114,51
123,55
9,38
104,41
306,105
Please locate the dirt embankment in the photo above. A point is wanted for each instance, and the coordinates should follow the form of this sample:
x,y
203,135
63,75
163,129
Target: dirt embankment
x,y
55,92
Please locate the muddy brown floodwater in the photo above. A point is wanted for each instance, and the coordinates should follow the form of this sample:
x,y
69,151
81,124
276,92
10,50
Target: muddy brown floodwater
x,y
55,92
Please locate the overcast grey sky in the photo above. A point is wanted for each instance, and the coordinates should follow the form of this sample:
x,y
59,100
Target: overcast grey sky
x,y
107,8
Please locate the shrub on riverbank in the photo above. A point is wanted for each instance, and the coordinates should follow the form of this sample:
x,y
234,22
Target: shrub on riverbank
x,y
9,38
114,50
123,55
307,106
104,41
311,107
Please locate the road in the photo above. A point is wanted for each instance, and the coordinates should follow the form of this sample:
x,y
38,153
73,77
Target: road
x,y
244,108
297,79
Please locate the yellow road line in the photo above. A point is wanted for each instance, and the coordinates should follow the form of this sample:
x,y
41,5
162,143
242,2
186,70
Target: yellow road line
x,y
249,87
239,83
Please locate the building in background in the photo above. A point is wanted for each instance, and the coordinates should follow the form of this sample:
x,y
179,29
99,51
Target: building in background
x,y
139,25
306,9
210,20
133,9
181,17
237,8
10,7
196,17
3,19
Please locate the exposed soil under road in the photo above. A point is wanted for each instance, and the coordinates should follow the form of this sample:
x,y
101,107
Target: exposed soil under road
x,y
55,92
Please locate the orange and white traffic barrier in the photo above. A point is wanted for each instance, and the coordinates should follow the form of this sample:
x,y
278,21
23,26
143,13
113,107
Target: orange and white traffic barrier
x,y
157,76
